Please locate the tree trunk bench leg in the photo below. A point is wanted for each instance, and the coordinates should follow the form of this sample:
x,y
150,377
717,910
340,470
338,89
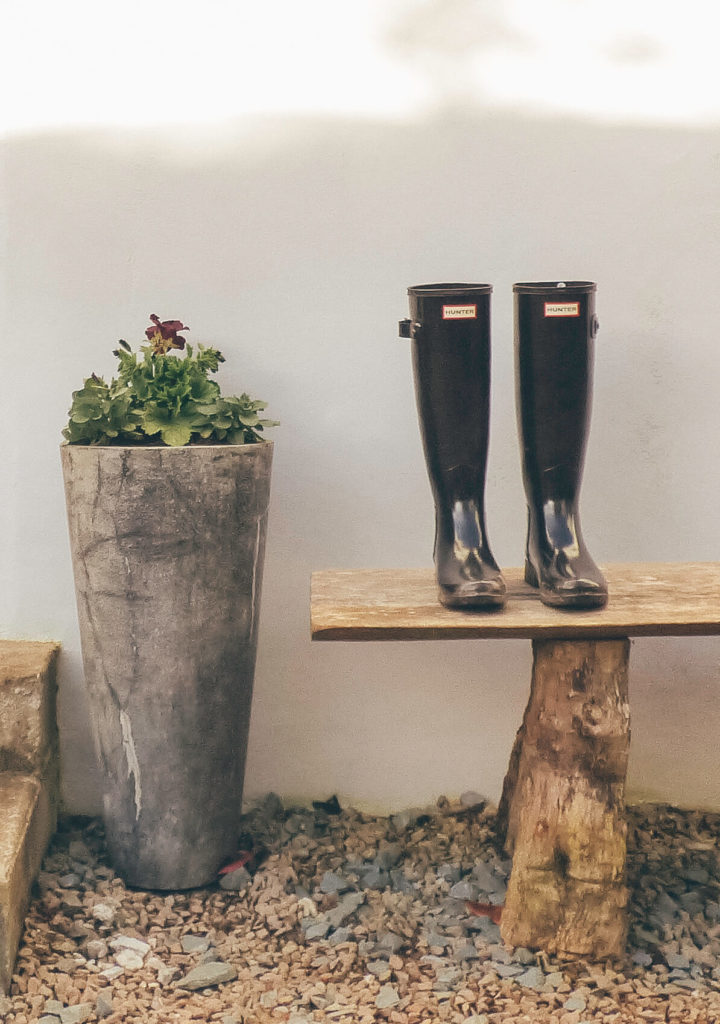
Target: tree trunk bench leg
x,y
563,805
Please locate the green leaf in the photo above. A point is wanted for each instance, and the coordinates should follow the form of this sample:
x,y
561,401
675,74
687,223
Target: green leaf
x,y
153,422
176,434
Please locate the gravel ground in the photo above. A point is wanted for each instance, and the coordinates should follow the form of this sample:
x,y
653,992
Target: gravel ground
x,y
340,916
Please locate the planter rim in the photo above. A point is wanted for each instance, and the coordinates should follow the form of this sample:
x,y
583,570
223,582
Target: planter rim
x,y
164,447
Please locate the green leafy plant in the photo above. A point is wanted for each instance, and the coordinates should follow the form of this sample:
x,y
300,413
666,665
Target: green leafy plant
x,y
162,398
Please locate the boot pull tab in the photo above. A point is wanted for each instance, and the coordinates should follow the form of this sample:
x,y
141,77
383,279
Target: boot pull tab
x,y
408,329
594,326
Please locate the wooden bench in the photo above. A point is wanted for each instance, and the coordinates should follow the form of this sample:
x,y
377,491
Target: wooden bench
x,y
562,811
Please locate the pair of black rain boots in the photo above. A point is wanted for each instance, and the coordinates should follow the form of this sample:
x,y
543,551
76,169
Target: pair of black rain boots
x,y
555,328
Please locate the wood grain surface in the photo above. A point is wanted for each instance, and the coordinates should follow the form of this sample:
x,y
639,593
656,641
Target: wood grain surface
x,y
646,599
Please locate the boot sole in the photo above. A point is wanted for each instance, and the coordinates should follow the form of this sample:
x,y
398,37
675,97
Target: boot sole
x,y
488,601
598,599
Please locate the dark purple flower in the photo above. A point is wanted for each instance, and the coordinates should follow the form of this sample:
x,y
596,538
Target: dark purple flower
x,y
164,334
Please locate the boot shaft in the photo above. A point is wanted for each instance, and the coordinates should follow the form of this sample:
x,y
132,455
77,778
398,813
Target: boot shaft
x,y
450,332
555,327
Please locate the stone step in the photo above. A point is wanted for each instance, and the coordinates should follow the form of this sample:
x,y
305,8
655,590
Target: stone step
x,y
28,781
27,820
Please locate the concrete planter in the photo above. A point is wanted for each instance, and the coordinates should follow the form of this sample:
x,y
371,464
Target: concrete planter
x,y
168,547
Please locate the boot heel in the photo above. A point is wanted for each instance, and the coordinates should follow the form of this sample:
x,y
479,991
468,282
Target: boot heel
x,y
531,575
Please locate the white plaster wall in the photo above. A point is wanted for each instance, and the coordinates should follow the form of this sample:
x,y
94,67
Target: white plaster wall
x,y
289,241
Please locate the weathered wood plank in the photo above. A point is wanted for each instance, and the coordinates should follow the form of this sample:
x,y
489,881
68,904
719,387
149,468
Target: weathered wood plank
x,y
563,803
646,599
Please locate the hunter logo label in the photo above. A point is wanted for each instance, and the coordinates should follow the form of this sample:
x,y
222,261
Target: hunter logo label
x,y
562,309
459,312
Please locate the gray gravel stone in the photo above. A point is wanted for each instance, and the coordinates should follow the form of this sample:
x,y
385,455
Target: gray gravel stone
x,y
511,971
692,984
445,977
340,935
467,951
209,956
698,875
675,960
207,976
464,890
195,943
111,973
380,968
500,954
472,799
485,927
692,901
390,941
332,882
318,929
554,979
71,901
387,996
131,943
71,881
166,975
575,1002
486,879
104,1005
399,881
665,910
375,878
449,872
78,850
388,856
77,1014
534,977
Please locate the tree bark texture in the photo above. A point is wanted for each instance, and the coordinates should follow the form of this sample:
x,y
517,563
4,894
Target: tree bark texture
x,y
563,803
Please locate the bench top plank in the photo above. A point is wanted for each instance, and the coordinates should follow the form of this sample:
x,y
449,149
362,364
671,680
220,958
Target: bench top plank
x,y
646,599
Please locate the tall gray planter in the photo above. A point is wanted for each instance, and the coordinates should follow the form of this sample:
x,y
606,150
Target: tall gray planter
x,y
168,547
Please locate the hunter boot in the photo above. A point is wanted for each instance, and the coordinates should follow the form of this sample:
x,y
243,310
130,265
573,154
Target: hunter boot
x,y
450,332
555,328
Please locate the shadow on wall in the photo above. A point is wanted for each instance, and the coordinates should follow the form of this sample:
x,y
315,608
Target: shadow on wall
x,y
289,244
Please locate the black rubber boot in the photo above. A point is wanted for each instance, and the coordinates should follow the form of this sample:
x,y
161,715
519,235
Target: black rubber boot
x,y
555,327
450,331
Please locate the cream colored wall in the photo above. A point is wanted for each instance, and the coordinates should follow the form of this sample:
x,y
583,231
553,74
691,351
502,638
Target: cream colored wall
x,y
289,242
